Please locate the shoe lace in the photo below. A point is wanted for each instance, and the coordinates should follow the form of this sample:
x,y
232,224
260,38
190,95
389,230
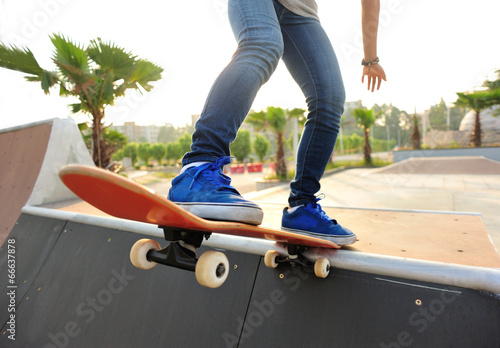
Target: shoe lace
x,y
316,209
212,173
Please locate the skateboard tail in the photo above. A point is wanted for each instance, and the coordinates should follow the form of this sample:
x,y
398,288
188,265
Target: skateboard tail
x,y
114,195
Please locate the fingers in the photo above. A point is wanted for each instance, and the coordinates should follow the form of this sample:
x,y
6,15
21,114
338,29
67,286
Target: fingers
x,y
375,75
372,82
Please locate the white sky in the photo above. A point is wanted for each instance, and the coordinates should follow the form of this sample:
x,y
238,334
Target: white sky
x,y
429,49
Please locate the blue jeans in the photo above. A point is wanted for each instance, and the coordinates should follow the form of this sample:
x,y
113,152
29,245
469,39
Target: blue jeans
x,y
266,31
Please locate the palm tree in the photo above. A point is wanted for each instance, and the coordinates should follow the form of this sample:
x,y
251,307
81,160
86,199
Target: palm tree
x,y
96,75
478,101
365,119
415,135
275,119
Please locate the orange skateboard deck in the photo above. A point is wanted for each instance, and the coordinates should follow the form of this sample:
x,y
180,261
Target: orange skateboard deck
x,y
122,198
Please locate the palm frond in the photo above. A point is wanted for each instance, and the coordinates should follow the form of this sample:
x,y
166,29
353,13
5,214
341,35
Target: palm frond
x,y
479,100
82,80
365,118
75,108
146,72
23,60
257,120
112,58
69,54
49,79
276,118
19,59
105,89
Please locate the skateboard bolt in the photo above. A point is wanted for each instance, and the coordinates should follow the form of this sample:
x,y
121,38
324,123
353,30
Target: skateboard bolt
x,y
418,302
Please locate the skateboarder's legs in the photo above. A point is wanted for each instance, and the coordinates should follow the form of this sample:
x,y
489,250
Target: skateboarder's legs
x,y
260,46
265,31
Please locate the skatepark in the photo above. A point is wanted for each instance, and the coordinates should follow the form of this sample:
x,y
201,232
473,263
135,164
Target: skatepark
x,y
425,270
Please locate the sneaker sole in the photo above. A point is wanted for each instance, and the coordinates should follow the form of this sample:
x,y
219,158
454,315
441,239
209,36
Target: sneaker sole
x,y
223,212
340,240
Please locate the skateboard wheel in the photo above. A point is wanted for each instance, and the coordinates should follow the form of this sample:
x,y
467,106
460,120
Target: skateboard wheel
x,y
212,269
140,250
322,267
271,258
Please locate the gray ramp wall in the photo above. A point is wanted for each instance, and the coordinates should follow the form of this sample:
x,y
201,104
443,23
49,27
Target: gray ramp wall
x,y
77,288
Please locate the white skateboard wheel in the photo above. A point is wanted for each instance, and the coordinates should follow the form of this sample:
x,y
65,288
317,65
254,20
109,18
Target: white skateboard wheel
x,y
212,269
139,251
270,259
322,267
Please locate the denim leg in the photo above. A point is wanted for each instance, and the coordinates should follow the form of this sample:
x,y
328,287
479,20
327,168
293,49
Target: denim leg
x,y
311,60
260,46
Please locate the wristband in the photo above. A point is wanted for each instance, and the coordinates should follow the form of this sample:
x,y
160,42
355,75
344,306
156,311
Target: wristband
x,y
370,63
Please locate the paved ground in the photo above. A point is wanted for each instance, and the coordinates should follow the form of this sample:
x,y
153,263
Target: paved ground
x,y
364,188
372,188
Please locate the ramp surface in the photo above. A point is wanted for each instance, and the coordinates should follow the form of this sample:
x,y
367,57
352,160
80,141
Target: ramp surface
x,y
31,156
21,157
443,165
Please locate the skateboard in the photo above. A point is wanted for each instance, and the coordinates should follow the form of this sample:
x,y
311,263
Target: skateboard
x,y
123,198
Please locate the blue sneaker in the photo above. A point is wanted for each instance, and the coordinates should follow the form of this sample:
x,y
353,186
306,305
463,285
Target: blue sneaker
x,y
206,192
311,220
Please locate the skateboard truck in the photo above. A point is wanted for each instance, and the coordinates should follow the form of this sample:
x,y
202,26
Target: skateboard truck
x,y
177,254
211,269
295,257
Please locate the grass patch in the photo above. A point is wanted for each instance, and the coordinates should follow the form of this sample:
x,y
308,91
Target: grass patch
x,y
164,175
376,162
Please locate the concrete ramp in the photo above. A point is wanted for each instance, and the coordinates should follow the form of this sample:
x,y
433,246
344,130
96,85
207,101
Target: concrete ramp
x,y
30,158
474,165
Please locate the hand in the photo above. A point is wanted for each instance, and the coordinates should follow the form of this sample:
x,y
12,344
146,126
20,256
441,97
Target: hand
x,y
375,75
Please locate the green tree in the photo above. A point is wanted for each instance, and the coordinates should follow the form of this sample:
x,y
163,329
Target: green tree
x,y
478,101
96,75
130,151
144,152
395,124
437,115
113,139
261,146
158,152
184,143
174,151
241,147
354,142
365,120
275,119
